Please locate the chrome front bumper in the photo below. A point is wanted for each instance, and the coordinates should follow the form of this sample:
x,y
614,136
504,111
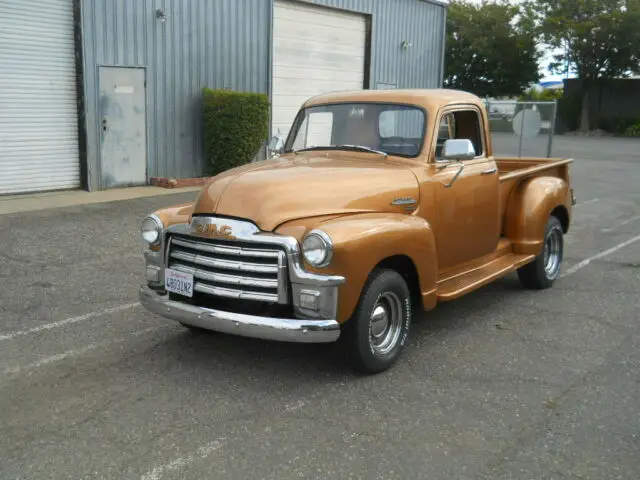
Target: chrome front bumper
x,y
267,328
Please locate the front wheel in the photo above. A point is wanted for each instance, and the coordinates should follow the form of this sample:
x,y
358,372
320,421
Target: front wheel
x,y
378,330
544,270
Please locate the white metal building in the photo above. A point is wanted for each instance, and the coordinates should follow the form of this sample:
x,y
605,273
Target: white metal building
x,y
97,94
38,108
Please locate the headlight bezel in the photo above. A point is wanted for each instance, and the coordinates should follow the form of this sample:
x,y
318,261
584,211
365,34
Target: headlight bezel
x,y
327,245
159,227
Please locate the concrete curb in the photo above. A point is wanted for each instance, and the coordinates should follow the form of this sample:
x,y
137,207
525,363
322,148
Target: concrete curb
x,y
50,200
165,182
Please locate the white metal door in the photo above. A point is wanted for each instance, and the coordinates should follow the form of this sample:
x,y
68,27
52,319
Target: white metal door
x,y
315,50
38,110
123,137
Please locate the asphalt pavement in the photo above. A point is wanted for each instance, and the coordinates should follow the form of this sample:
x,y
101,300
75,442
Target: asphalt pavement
x,y
504,383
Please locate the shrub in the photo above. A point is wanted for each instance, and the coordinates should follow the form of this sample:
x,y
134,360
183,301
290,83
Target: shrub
x,y
617,126
633,130
569,110
544,95
236,125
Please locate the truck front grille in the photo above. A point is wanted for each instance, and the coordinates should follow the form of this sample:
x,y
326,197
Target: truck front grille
x,y
230,269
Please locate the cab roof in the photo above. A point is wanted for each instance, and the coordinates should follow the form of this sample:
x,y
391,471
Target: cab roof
x,y
430,98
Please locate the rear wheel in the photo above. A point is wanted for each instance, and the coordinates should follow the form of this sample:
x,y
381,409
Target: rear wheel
x,y
377,331
544,270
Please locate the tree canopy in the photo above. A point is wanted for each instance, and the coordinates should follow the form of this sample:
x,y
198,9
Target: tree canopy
x,y
598,39
490,48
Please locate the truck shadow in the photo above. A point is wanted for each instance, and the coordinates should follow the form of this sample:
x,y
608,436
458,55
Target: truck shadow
x,y
243,356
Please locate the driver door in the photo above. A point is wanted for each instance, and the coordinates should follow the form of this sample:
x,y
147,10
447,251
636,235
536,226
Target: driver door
x,y
467,193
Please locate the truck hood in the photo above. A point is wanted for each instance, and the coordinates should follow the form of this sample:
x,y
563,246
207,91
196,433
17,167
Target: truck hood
x,y
273,192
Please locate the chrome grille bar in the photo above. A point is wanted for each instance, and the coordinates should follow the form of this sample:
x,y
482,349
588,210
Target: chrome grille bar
x,y
233,293
225,268
226,250
230,279
239,266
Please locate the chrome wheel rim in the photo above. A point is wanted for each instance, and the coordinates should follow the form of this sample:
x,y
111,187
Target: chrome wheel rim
x,y
385,324
553,252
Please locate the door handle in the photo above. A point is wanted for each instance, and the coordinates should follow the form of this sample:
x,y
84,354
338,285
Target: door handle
x,y
104,125
490,171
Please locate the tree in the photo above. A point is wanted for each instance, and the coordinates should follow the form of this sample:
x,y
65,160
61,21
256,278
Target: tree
x,y
490,48
598,39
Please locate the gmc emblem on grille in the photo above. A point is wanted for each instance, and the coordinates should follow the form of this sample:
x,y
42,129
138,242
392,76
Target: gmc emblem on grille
x,y
213,230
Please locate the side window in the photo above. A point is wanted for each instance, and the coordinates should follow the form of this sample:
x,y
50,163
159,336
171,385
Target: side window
x,y
457,125
446,131
468,126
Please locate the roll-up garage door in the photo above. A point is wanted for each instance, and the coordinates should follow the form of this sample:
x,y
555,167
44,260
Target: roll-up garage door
x,y
38,116
315,50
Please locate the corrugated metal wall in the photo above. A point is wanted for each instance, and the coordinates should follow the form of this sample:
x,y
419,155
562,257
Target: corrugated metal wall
x,y
213,43
227,43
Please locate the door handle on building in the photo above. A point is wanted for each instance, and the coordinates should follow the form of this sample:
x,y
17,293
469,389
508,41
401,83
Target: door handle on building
x,y
104,125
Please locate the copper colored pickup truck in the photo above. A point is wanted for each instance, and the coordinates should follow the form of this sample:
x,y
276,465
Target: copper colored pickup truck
x,y
378,203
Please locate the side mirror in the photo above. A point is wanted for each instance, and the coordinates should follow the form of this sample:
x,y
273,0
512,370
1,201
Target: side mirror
x,y
276,145
458,149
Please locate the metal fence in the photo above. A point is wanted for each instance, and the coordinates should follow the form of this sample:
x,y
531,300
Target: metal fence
x,y
521,128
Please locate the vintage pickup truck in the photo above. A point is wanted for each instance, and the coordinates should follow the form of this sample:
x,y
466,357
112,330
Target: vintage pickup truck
x,y
378,203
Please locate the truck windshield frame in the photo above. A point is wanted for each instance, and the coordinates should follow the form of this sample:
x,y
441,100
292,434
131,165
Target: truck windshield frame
x,y
361,123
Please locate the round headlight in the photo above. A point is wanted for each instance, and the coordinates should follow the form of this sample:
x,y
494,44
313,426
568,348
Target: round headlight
x,y
317,249
151,230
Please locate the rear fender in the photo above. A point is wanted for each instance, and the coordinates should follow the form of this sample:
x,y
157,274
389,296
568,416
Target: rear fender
x,y
363,241
528,209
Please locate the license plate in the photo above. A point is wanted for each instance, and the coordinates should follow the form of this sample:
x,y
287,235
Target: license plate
x,y
178,282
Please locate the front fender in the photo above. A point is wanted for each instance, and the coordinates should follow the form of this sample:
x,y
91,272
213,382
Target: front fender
x,y
362,241
175,214
172,216
528,210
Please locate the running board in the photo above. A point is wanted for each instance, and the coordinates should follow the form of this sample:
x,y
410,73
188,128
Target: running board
x,y
461,284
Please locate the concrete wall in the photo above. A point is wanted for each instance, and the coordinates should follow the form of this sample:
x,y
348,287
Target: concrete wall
x,y
226,43
617,99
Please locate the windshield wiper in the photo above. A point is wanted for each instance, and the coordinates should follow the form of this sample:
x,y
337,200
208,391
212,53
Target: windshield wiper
x,y
358,148
364,149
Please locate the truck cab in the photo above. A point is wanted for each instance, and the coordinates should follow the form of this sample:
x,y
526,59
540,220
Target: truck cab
x,y
377,204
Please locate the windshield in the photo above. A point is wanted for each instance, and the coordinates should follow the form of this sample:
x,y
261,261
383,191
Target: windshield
x,y
388,128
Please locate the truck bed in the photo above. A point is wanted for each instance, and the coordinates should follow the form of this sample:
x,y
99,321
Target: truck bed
x,y
513,170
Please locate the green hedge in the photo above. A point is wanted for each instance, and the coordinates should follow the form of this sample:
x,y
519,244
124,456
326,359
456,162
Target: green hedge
x,y
236,125
633,130
569,110
617,126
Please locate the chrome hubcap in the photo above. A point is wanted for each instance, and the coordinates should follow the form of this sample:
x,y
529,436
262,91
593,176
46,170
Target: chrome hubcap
x,y
379,321
385,323
553,252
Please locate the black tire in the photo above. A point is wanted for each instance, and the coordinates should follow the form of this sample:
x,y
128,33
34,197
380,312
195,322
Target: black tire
x,y
542,272
371,346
